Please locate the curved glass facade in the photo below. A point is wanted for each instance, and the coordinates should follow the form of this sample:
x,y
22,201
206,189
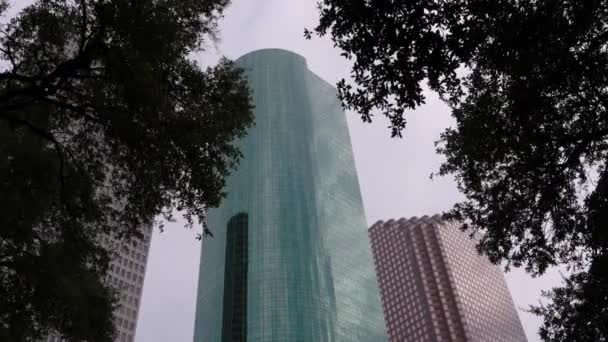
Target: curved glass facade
x,y
290,259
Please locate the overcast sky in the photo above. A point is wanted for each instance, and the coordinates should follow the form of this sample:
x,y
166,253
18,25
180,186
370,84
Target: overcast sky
x,y
393,173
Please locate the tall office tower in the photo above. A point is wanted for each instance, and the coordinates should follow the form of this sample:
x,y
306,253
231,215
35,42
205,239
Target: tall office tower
x,y
290,259
435,287
126,274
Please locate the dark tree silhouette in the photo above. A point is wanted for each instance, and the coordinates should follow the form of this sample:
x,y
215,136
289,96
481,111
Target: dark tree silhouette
x,y
527,82
105,122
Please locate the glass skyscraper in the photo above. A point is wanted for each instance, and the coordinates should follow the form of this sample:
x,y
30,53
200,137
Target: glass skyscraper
x,y
290,259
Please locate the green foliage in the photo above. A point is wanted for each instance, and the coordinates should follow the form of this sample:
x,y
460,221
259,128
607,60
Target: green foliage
x,y
57,288
104,123
527,82
577,311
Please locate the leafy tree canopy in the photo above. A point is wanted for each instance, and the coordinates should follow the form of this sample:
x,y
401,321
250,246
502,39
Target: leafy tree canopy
x,y
527,82
104,123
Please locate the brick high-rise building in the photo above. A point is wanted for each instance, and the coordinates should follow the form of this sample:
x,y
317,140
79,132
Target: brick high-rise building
x,y
434,286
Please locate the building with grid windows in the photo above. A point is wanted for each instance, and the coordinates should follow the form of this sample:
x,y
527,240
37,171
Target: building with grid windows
x,y
290,259
126,274
436,287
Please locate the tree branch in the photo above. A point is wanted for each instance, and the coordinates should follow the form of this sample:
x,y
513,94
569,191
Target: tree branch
x,y
8,51
14,76
581,141
46,135
77,109
83,24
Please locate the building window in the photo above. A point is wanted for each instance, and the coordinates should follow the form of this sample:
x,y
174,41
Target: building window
x,y
234,320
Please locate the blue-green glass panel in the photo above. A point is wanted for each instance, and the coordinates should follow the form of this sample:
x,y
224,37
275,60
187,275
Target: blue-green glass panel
x,y
310,274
